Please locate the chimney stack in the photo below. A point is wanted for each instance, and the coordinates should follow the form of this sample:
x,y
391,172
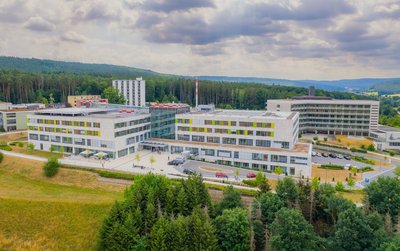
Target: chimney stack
x,y
197,92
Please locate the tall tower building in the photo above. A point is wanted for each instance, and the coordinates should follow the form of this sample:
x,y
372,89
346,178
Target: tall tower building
x,y
134,91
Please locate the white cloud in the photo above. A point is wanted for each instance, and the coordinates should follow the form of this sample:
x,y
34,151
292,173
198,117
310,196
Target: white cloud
x,y
39,24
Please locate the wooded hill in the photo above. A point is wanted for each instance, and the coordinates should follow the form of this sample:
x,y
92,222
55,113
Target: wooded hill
x,y
36,79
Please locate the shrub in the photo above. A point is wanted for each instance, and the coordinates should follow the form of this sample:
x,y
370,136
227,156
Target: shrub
x,y
20,144
315,138
325,139
371,148
1,157
351,182
5,147
358,150
365,169
51,167
364,160
340,187
332,166
13,143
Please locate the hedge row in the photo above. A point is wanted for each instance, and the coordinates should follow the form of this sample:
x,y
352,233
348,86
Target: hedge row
x,y
332,166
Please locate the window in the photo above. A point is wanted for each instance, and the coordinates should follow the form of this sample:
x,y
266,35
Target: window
x,y
225,154
246,142
279,158
257,156
263,143
96,124
130,140
122,153
67,140
33,136
213,140
44,137
236,155
230,141
208,152
184,137
55,139
131,149
292,171
198,138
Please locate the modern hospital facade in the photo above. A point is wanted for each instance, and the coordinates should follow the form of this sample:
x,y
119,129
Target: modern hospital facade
x,y
252,139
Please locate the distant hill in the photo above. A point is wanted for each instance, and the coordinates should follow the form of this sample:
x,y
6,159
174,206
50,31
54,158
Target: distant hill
x,y
361,84
388,87
384,85
44,65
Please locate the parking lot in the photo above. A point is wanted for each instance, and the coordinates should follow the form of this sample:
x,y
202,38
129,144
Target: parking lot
x,y
329,160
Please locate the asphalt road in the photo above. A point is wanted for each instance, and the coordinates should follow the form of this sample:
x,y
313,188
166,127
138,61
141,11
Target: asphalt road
x,y
336,161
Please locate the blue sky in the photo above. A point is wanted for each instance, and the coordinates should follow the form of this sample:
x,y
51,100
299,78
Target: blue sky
x,y
294,39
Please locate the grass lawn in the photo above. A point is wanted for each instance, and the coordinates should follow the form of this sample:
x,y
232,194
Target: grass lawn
x,y
351,142
38,153
20,136
354,196
59,213
328,174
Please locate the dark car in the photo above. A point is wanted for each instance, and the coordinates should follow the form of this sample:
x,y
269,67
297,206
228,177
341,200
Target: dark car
x,y
325,155
251,175
176,162
172,162
332,155
188,172
347,157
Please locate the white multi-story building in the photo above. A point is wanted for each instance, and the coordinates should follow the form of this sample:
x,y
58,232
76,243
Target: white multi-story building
x,y
114,132
322,115
134,91
386,138
252,139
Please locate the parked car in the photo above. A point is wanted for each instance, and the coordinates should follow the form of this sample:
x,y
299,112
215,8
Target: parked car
x,y
347,166
319,154
332,155
313,153
176,161
251,175
347,157
339,156
188,172
221,175
325,155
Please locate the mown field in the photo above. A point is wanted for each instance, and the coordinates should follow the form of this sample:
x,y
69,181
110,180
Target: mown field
x,y
61,213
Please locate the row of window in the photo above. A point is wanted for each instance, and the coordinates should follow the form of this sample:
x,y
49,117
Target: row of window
x,y
132,130
65,130
225,131
131,123
64,122
70,140
229,123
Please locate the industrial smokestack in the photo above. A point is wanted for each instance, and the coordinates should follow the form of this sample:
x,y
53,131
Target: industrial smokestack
x,y
197,92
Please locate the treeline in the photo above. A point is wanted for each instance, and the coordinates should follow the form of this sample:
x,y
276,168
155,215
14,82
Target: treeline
x,y
26,87
160,214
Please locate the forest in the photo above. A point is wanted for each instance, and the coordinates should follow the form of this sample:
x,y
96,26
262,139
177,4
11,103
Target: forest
x,y
26,87
161,214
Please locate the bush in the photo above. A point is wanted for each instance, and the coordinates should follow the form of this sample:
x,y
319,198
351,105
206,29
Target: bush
x,y
5,147
252,183
315,138
51,167
20,144
358,150
325,139
365,169
332,166
340,187
1,157
364,160
13,143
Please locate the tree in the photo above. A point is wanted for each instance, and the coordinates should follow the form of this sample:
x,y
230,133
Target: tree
x,y
340,187
158,235
290,231
351,182
266,205
51,167
51,148
51,99
397,170
287,190
61,150
113,96
230,200
314,186
181,201
383,195
202,232
391,245
258,235
278,170
371,148
1,157
31,147
152,161
233,230
262,183
356,231
137,158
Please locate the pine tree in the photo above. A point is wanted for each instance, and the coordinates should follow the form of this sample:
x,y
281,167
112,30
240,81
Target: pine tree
x,y
181,202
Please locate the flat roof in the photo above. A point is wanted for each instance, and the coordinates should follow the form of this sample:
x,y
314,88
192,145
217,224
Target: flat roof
x,y
384,128
325,101
93,112
298,148
245,114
